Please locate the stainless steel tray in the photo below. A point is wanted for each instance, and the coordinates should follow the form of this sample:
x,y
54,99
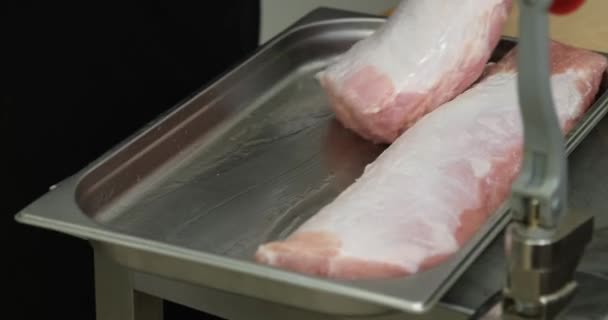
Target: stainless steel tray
x,y
242,162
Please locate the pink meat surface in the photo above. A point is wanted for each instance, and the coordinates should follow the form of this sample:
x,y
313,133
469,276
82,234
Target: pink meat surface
x,y
431,190
427,53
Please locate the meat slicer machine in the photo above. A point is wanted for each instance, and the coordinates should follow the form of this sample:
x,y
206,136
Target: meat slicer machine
x,y
177,210
545,241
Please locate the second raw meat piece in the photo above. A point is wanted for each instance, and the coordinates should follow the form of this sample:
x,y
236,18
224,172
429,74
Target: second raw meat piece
x,y
430,191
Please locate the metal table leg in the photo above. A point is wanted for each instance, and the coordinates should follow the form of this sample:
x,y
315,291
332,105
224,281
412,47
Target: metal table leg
x,y
115,296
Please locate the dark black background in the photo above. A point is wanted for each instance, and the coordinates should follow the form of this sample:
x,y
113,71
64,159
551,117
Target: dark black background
x,y
77,78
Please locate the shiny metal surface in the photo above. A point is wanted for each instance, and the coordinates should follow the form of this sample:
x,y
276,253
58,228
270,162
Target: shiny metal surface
x,y
245,161
541,265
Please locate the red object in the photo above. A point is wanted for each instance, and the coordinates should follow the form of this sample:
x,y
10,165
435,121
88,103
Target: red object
x,y
565,6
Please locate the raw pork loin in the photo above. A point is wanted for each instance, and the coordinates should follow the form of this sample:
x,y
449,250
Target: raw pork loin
x,y
427,53
431,190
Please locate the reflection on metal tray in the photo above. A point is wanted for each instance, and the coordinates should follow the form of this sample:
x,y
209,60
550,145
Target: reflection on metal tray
x,y
243,162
